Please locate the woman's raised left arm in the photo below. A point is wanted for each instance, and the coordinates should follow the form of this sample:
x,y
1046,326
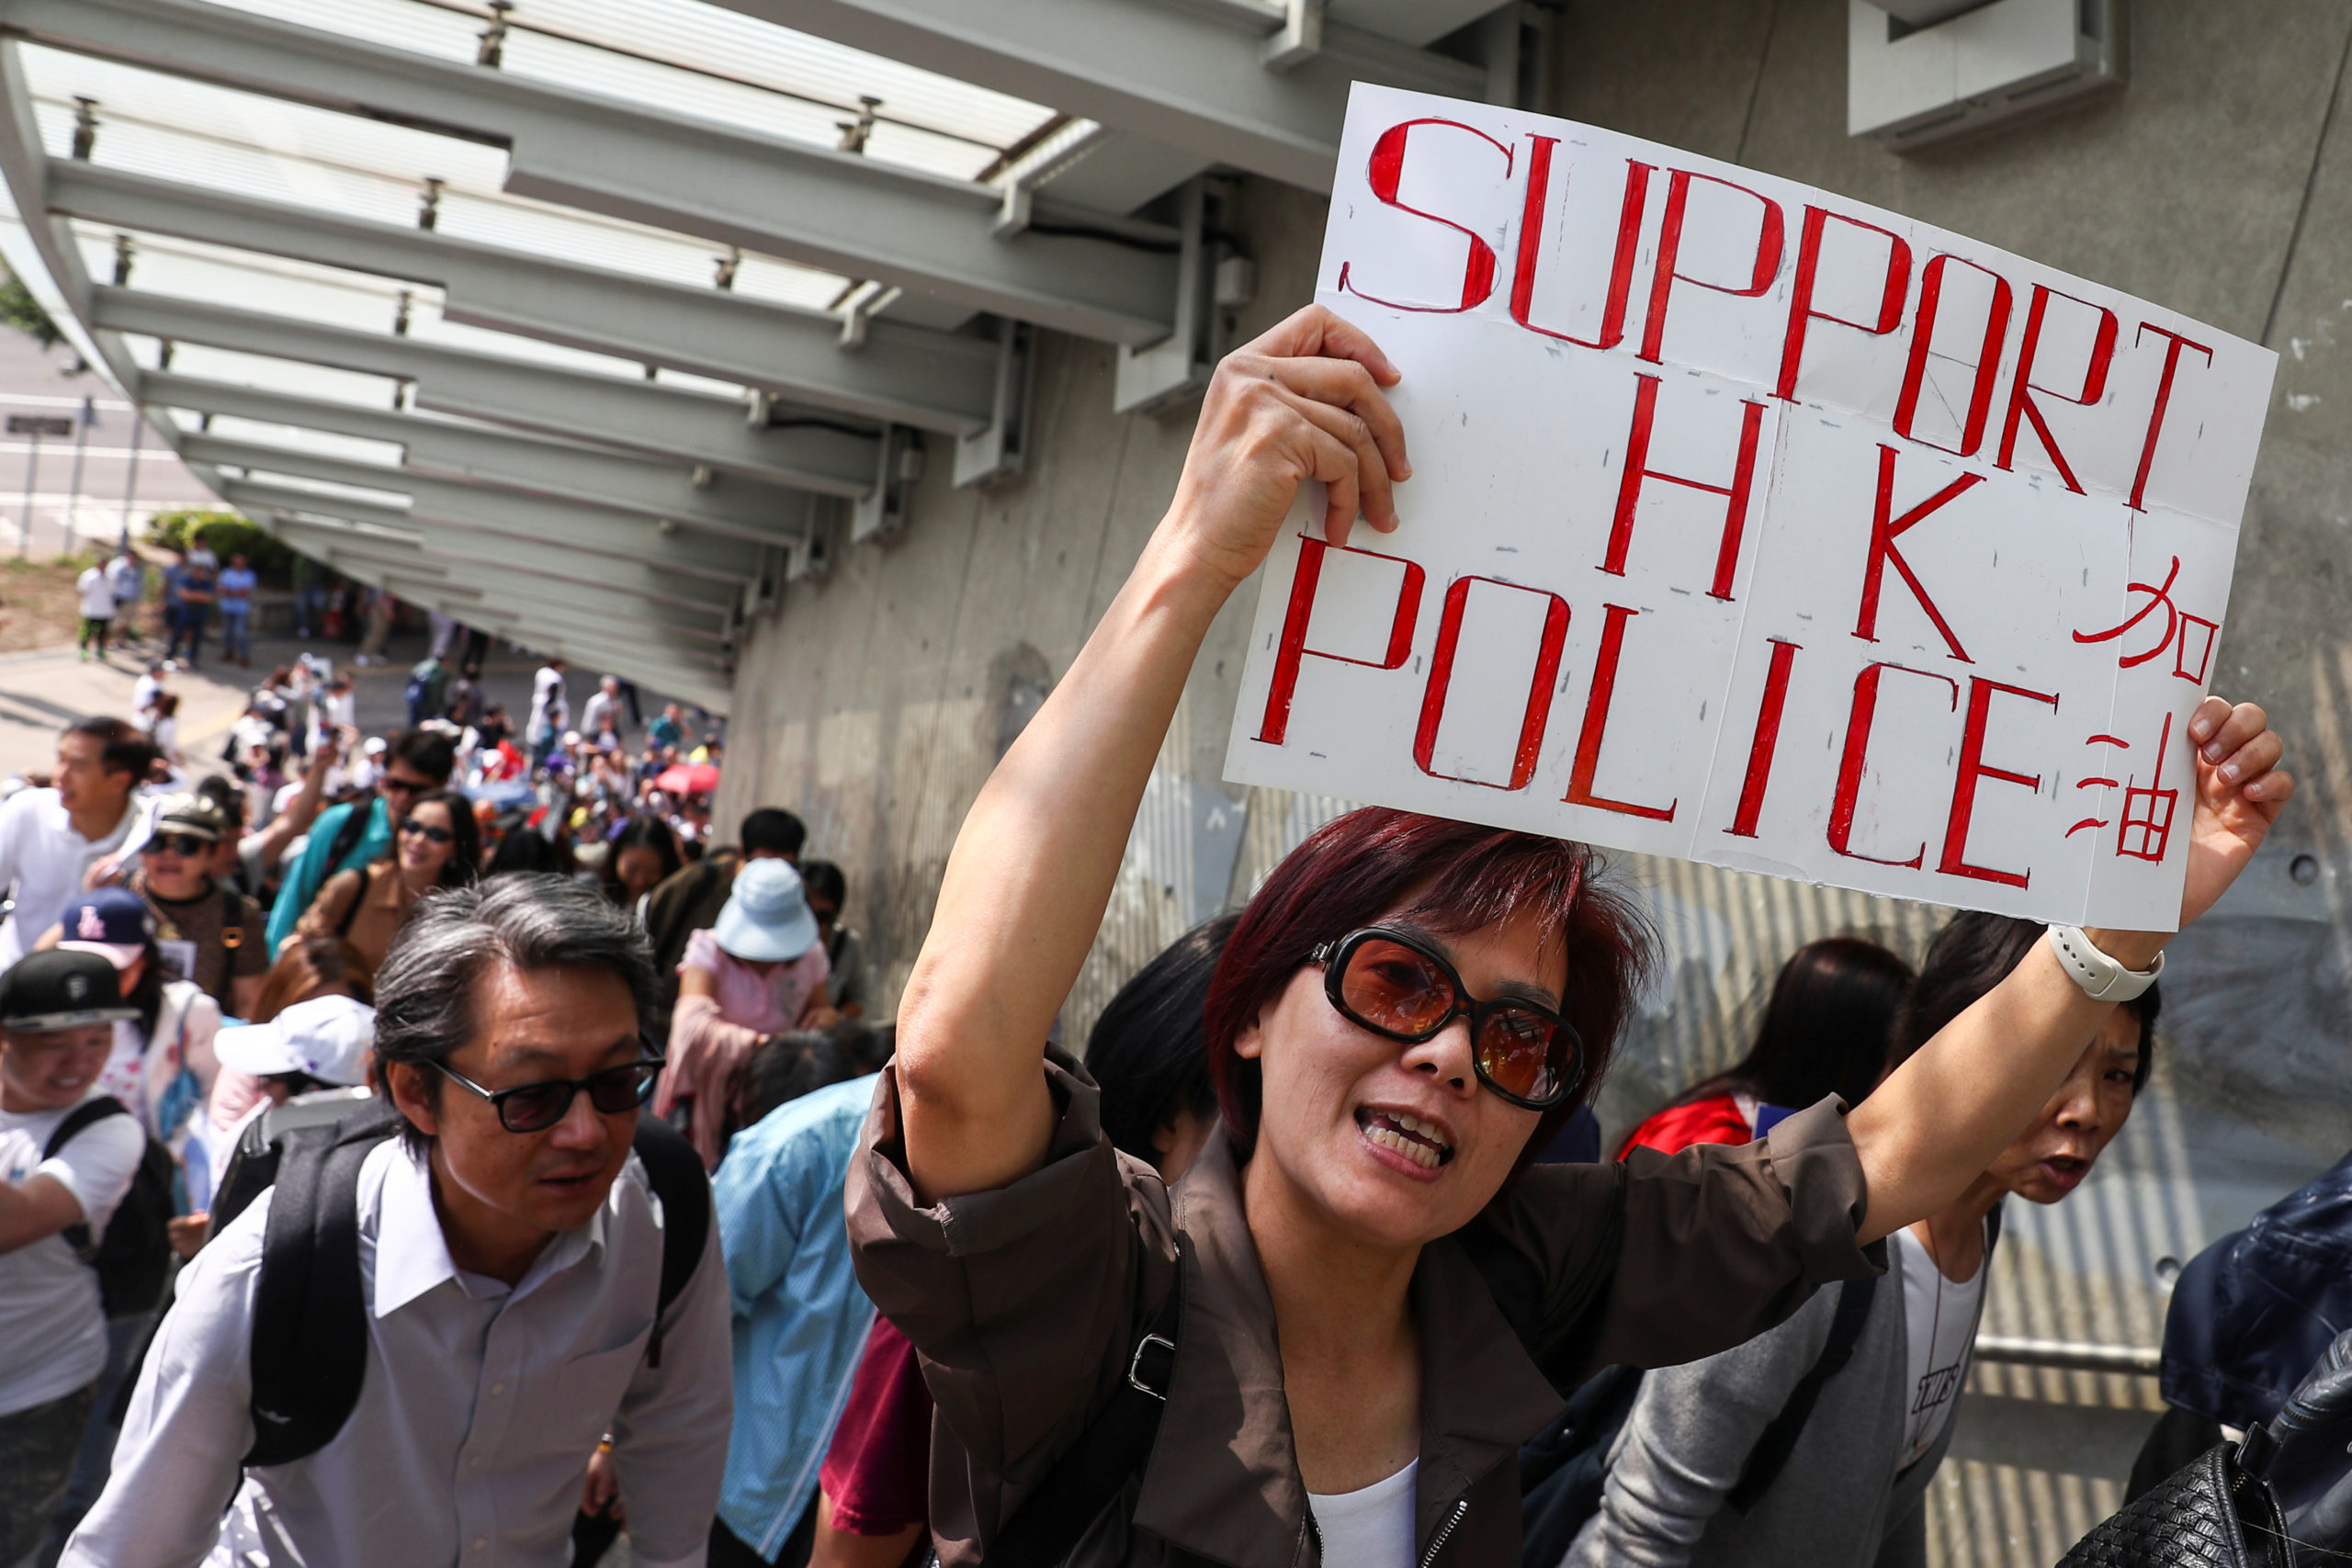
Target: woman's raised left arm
x,y
1938,1120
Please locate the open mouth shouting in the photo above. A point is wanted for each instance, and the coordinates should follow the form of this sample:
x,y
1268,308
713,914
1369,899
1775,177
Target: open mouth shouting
x,y
2064,1172
1420,1144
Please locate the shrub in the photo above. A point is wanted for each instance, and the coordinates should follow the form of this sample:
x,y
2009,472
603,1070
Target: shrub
x,y
228,533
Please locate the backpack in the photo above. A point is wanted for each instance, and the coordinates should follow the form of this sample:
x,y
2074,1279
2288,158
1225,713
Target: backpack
x,y
133,1255
310,1329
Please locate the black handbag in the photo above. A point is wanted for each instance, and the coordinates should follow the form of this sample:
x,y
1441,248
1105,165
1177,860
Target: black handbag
x,y
2218,1511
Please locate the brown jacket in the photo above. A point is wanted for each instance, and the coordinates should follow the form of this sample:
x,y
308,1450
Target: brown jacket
x,y
1025,1304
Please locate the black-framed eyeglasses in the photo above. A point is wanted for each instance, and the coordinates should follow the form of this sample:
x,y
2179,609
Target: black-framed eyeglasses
x,y
425,830
176,844
1396,986
536,1107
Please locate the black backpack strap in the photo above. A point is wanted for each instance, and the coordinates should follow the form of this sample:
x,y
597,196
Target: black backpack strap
x,y
1115,1445
310,1333
351,910
1772,1452
77,1235
81,1116
676,1174
348,832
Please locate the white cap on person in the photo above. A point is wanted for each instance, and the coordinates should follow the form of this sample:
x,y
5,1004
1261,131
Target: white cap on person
x,y
326,1037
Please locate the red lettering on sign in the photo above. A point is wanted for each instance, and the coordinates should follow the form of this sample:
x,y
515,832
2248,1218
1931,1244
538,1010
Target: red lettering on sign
x,y
2022,389
1768,738
1531,247
1972,768
1596,725
1856,761
1637,468
1538,690
2175,342
1388,170
1801,313
1884,530
1988,356
1670,249
1292,647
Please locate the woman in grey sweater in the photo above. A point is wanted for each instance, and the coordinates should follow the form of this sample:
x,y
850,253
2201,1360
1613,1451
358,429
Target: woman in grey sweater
x,y
1692,1478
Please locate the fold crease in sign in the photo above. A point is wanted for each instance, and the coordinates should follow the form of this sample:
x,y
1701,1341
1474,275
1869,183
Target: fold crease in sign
x,y
1756,526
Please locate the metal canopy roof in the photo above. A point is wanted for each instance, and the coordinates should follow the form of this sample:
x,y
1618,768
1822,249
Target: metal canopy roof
x,y
670,285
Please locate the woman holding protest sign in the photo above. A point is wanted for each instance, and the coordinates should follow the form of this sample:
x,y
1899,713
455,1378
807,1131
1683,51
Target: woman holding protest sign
x,y
1358,1301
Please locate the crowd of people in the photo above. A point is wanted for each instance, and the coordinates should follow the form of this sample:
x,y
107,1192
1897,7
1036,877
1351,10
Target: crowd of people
x,y
434,1148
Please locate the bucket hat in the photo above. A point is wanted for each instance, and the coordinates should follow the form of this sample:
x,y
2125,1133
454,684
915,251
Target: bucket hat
x,y
327,1037
766,919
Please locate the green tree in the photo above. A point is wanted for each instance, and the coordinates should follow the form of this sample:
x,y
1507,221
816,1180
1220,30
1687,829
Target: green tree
x,y
19,309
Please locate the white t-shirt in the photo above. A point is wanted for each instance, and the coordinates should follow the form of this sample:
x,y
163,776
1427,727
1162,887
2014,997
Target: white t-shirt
x,y
45,858
52,1327
548,706
97,595
1371,1529
1940,1318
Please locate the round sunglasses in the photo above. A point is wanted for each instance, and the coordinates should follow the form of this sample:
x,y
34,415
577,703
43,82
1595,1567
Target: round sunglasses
x,y
1396,986
536,1107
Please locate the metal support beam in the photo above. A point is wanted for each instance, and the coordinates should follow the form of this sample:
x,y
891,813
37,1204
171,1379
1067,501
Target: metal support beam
x,y
504,460
898,374
695,644
487,554
1090,274
526,519
705,685
1188,74
632,415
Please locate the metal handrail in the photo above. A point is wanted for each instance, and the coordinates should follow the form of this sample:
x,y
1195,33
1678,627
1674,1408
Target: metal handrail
x,y
2068,1355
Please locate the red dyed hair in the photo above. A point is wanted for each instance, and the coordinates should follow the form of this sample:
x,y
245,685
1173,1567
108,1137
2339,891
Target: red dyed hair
x,y
1449,877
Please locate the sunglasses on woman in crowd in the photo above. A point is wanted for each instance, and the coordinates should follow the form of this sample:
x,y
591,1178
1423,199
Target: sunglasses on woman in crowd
x,y
425,830
1395,985
536,1107
176,844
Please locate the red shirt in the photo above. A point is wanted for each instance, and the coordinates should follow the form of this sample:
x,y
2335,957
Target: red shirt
x,y
1714,1120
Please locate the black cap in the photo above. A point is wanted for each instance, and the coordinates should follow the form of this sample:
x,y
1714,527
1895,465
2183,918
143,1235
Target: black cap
x,y
57,989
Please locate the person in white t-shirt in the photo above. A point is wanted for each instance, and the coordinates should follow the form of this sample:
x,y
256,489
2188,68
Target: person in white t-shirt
x,y
1845,1487
97,593
49,838
550,711
57,1017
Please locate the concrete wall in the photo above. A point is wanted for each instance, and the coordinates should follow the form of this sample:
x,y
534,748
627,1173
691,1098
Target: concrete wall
x,y
2219,182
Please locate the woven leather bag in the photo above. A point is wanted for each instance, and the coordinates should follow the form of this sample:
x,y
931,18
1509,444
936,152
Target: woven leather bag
x,y
2216,1512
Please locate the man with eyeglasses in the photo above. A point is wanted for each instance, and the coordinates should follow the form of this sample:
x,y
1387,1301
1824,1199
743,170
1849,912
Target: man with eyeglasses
x,y
510,1258
357,835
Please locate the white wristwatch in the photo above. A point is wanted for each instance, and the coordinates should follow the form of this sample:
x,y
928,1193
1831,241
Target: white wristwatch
x,y
2102,978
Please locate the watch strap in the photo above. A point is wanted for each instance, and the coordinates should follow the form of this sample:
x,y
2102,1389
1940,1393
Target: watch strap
x,y
2102,978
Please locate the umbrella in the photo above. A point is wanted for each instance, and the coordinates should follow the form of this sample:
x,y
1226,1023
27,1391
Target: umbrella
x,y
687,778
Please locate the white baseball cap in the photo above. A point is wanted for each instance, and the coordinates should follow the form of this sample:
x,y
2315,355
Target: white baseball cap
x,y
327,1037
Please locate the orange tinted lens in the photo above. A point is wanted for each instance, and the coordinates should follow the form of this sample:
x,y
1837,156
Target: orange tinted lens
x,y
1391,987
1518,1052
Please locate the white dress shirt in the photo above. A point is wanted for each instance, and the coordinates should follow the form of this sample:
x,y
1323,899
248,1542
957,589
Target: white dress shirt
x,y
476,1418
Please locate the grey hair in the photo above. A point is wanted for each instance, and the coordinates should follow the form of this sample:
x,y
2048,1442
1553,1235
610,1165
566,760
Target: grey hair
x,y
425,992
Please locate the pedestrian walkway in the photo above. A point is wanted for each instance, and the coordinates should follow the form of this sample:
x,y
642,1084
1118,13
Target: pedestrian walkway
x,y
42,691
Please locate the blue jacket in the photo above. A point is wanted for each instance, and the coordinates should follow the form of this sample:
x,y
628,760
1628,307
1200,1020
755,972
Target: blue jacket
x,y
800,1319
2253,1312
310,873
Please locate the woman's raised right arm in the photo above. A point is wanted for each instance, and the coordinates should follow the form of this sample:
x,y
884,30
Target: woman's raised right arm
x,y
1034,865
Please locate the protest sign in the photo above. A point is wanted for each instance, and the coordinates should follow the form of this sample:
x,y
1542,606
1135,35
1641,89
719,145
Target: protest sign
x,y
1758,526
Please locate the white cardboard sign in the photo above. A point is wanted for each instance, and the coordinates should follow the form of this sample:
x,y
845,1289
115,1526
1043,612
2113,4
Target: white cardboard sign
x,y
1758,526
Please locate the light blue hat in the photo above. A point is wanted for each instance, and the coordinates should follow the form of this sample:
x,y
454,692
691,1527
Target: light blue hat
x,y
766,919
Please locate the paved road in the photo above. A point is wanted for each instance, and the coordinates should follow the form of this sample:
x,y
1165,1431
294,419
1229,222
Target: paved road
x,y
40,693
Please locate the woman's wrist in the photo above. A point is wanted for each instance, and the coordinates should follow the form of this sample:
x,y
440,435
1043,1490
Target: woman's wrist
x,y
2134,949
